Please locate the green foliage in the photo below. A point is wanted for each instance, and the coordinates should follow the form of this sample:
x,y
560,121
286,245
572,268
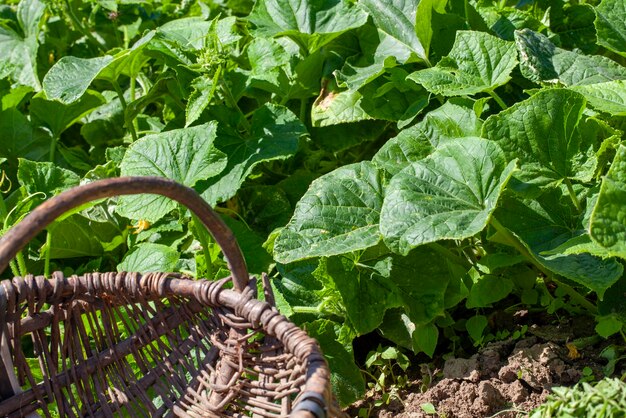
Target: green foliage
x,y
380,366
399,167
607,398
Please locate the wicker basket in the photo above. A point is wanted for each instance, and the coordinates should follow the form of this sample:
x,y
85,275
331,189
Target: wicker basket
x,y
157,344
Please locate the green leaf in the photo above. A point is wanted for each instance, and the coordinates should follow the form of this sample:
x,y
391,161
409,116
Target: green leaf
x,y
478,62
59,116
20,139
69,78
298,285
275,134
581,244
475,327
609,97
425,339
608,326
332,108
544,134
105,124
346,378
18,54
311,23
607,219
408,147
424,24
338,214
449,195
542,61
189,33
199,99
378,52
78,236
268,62
148,257
449,121
397,19
611,25
428,408
545,223
488,289
45,177
423,291
184,155
251,244
365,293
393,98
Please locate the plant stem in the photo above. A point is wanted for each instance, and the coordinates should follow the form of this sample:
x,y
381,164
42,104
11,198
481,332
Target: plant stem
x,y
306,309
120,94
53,147
572,195
21,264
498,99
46,268
14,268
205,246
4,214
303,103
133,96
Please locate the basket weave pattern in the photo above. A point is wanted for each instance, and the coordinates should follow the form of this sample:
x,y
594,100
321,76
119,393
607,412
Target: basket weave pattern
x,y
157,344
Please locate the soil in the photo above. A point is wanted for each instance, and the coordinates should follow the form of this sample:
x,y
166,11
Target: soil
x,y
504,378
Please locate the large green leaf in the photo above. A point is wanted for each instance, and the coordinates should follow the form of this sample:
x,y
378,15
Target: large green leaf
x,y
148,257
393,98
609,97
59,116
378,51
311,23
406,22
338,214
18,52
542,61
423,290
449,195
20,139
105,125
546,135
608,226
44,177
189,33
611,25
449,121
274,135
545,223
488,289
364,291
478,62
268,61
184,155
346,377
78,236
70,77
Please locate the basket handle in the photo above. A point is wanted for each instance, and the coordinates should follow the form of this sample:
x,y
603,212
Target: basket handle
x,y
17,237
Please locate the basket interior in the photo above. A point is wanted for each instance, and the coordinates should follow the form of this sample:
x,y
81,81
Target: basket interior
x,y
121,354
